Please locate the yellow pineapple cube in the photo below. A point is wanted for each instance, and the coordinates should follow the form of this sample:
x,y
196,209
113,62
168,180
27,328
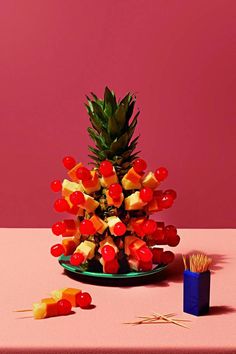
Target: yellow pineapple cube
x,y
39,310
90,204
107,181
87,248
133,263
57,294
112,220
150,181
134,202
69,187
93,184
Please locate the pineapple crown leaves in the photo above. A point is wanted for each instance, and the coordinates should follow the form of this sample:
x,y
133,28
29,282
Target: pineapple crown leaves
x,y
112,128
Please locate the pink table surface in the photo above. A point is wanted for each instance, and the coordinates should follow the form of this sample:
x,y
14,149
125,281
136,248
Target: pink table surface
x,y
28,273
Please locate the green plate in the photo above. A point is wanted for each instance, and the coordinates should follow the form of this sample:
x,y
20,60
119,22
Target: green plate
x,y
65,263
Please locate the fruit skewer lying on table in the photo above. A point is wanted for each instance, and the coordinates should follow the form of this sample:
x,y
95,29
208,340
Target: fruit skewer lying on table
x,y
60,304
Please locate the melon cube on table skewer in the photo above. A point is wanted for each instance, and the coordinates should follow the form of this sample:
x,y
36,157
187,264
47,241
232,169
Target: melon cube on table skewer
x,y
107,181
150,181
67,294
133,263
99,225
131,180
116,203
72,173
45,308
69,187
93,184
134,202
51,308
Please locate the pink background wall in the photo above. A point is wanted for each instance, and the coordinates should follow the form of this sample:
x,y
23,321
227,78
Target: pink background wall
x,y
178,56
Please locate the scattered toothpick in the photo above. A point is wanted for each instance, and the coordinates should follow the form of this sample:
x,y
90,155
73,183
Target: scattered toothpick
x,y
159,318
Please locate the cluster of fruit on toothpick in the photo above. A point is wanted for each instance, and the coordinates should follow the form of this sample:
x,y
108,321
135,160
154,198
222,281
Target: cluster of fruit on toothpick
x,y
111,229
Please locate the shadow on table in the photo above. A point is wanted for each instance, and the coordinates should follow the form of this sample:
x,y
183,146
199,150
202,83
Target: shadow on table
x,y
172,274
221,310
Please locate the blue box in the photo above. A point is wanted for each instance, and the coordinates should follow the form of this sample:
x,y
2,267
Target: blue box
x,y
196,292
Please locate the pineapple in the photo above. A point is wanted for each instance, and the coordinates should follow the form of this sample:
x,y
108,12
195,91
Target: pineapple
x,y
112,130
118,227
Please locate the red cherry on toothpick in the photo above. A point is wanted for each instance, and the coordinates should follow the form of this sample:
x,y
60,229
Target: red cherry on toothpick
x,y
64,307
108,253
83,300
58,228
86,227
167,257
166,201
119,229
144,254
157,253
111,267
83,173
146,194
161,173
77,198
173,242
69,162
145,266
56,185
57,250
149,227
139,165
106,168
115,190
171,192
61,205
76,259
170,231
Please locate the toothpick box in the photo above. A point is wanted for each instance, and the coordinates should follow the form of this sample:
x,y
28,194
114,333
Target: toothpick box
x,y
196,292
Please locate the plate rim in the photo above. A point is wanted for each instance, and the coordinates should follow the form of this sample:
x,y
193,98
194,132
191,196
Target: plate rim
x,y
79,271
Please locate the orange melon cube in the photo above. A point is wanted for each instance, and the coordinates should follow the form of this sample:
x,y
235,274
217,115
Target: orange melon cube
x,y
51,307
131,180
99,225
116,203
135,242
69,246
70,228
72,173
152,206
108,241
70,295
